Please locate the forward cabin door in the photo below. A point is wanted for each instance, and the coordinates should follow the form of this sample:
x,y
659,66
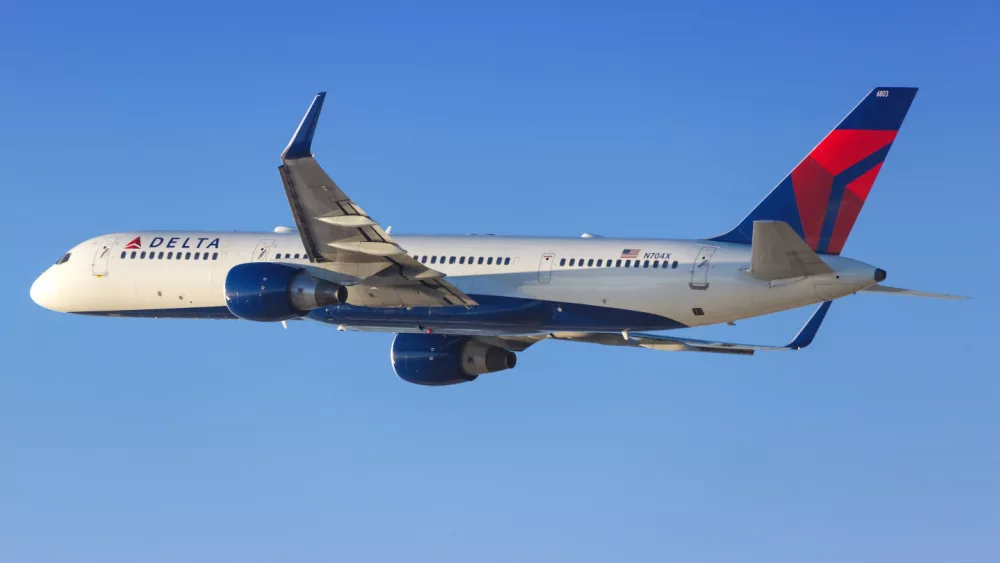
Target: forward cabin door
x,y
102,255
699,270
545,267
263,250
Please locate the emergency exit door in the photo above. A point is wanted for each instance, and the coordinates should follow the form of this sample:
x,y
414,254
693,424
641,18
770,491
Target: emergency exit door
x,y
702,264
545,267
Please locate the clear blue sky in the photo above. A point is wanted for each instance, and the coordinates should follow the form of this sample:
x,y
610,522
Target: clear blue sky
x,y
164,441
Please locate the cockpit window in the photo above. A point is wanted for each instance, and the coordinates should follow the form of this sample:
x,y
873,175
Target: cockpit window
x,y
64,259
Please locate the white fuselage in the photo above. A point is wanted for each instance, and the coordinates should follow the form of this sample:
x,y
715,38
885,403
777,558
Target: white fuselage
x,y
685,282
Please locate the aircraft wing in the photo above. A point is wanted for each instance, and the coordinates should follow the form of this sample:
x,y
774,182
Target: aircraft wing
x,y
339,236
672,343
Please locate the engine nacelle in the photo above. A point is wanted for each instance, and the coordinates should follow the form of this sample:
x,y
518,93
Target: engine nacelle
x,y
267,292
439,359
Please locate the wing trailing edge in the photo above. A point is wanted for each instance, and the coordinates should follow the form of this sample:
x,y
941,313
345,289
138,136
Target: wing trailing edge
x,y
667,343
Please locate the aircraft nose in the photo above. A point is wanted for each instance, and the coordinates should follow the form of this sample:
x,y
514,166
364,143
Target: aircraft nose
x,y
42,291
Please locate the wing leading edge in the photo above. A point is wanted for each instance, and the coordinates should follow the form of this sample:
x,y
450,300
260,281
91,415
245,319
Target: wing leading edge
x,y
339,236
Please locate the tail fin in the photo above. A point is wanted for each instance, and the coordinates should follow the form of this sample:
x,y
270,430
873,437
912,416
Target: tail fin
x,y
822,196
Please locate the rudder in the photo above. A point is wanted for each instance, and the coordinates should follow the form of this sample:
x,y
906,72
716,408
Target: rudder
x,y
822,197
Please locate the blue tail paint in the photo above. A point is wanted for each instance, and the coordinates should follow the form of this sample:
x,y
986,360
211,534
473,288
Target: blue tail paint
x,y
822,196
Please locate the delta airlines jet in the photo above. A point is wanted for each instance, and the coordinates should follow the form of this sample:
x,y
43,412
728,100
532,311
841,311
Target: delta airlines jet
x,y
461,306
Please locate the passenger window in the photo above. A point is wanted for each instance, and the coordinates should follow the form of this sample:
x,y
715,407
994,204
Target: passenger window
x,y
645,264
204,256
489,261
599,263
170,255
674,266
132,255
580,262
506,261
296,256
143,255
187,255
442,259
618,264
480,261
160,256
572,261
628,263
123,256
461,260
434,259
451,260
590,262
608,263
562,262
636,265
656,263
215,255
198,254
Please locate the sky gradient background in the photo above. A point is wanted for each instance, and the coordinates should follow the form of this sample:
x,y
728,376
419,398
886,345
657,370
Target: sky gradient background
x,y
163,441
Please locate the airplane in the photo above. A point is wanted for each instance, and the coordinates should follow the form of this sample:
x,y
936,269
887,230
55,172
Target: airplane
x,y
462,306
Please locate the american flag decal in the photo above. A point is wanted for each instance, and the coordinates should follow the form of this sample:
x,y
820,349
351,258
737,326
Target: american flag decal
x,y
630,253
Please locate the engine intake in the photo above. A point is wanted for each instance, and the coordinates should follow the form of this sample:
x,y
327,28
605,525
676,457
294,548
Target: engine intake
x,y
266,292
438,359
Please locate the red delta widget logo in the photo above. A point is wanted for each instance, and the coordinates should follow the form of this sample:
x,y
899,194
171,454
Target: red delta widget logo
x,y
174,242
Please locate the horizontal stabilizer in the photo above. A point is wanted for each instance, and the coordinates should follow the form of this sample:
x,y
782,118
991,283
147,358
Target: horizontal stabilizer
x,y
778,252
912,292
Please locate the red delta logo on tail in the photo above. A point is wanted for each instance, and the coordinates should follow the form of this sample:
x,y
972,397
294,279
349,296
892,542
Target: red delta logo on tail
x,y
833,182
136,244
822,197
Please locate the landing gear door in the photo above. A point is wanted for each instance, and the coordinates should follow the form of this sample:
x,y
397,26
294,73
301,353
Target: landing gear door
x,y
263,250
702,264
102,256
545,267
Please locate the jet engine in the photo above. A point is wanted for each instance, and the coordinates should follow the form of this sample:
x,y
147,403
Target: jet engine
x,y
439,359
262,291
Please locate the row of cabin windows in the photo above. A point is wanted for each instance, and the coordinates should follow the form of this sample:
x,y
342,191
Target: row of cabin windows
x,y
290,256
170,255
583,262
487,260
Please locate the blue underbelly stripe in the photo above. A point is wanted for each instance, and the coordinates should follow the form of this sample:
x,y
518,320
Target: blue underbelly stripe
x,y
508,314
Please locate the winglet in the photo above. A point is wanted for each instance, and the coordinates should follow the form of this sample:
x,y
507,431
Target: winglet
x,y
301,144
808,332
